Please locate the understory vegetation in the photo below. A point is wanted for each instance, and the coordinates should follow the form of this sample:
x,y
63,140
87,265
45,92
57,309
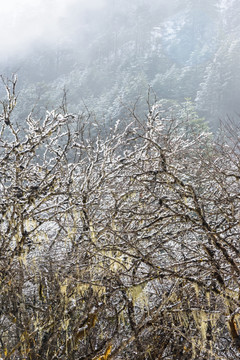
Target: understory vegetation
x,y
118,243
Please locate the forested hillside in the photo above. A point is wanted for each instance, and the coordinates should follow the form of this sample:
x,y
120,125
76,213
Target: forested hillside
x,y
182,49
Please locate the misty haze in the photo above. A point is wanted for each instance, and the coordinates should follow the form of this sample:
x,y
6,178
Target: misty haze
x,y
107,53
119,180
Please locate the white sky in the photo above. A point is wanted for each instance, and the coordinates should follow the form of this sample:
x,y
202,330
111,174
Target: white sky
x,y
23,22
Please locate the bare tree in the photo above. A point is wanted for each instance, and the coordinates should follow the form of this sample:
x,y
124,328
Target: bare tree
x,y
118,246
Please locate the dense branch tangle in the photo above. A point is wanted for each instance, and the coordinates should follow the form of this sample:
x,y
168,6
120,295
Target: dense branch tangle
x,y
118,246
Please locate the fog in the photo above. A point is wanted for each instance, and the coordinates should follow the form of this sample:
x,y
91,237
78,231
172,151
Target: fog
x,y
108,53
23,23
